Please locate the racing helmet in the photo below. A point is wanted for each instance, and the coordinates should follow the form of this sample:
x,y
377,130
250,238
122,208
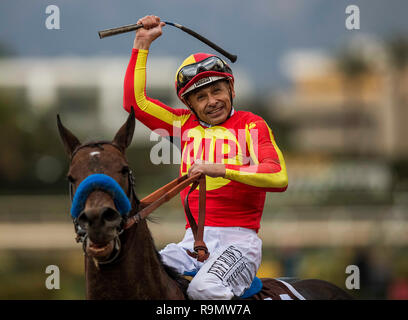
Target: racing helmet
x,y
198,70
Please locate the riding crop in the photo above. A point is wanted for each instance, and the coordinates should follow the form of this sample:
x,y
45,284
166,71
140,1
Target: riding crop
x,y
132,27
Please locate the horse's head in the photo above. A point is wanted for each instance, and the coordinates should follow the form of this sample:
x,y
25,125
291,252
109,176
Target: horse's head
x,y
101,186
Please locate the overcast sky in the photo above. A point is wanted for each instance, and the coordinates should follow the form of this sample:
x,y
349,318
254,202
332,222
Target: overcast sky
x,y
260,32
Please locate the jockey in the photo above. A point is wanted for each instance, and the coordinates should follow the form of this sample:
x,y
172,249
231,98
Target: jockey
x,y
237,152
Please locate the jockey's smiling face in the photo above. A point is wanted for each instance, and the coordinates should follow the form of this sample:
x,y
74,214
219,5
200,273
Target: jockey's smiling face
x,y
212,103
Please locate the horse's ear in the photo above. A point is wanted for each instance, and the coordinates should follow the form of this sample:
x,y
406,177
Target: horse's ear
x,y
68,139
124,136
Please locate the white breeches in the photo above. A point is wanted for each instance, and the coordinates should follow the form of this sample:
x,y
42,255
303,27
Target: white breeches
x,y
235,256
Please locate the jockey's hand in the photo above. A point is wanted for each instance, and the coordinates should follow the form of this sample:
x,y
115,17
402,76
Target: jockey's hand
x,y
209,169
152,29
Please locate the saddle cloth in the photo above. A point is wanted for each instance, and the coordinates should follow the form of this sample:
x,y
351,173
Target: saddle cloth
x,y
275,289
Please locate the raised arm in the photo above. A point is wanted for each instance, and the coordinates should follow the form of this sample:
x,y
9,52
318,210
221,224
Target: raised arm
x,y
151,112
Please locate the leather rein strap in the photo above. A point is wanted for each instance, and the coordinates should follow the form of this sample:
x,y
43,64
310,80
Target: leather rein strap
x,y
200,249
164,194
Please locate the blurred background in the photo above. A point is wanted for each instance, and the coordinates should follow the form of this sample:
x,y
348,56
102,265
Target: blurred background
x,y
336,100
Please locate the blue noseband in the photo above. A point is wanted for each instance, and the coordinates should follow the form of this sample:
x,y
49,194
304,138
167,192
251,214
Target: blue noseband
x,y
99,182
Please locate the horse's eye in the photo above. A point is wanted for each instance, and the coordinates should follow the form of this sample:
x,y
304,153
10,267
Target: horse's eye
x,y
125,170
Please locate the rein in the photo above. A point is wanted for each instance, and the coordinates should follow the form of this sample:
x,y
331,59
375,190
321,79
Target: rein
x,y
164,194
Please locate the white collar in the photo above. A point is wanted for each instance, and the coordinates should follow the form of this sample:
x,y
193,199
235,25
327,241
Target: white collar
x,y
205,124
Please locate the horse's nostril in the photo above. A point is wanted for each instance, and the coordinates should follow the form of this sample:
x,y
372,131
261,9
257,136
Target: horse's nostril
x,y
110,214
83,220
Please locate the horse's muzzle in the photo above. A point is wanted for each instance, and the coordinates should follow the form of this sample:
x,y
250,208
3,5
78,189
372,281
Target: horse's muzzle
x,y
102,226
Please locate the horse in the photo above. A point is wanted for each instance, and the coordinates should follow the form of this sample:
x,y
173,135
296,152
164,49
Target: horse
x,y
123,263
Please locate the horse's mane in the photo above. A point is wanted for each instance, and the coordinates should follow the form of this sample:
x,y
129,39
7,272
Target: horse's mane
x,y
95,143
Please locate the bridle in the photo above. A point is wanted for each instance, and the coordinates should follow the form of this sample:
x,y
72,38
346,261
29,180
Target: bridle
x,y
81,234
131,180
148,204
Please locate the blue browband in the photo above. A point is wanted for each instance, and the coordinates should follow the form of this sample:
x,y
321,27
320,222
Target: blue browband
x,y
100,182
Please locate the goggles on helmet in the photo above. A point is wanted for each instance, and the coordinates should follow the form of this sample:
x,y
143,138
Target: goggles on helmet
x,y
215,67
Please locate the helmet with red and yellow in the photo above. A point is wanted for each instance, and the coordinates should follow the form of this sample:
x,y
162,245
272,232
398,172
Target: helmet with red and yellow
x,y
201,69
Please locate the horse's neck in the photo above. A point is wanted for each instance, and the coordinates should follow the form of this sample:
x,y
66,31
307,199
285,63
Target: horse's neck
x,y
138,273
